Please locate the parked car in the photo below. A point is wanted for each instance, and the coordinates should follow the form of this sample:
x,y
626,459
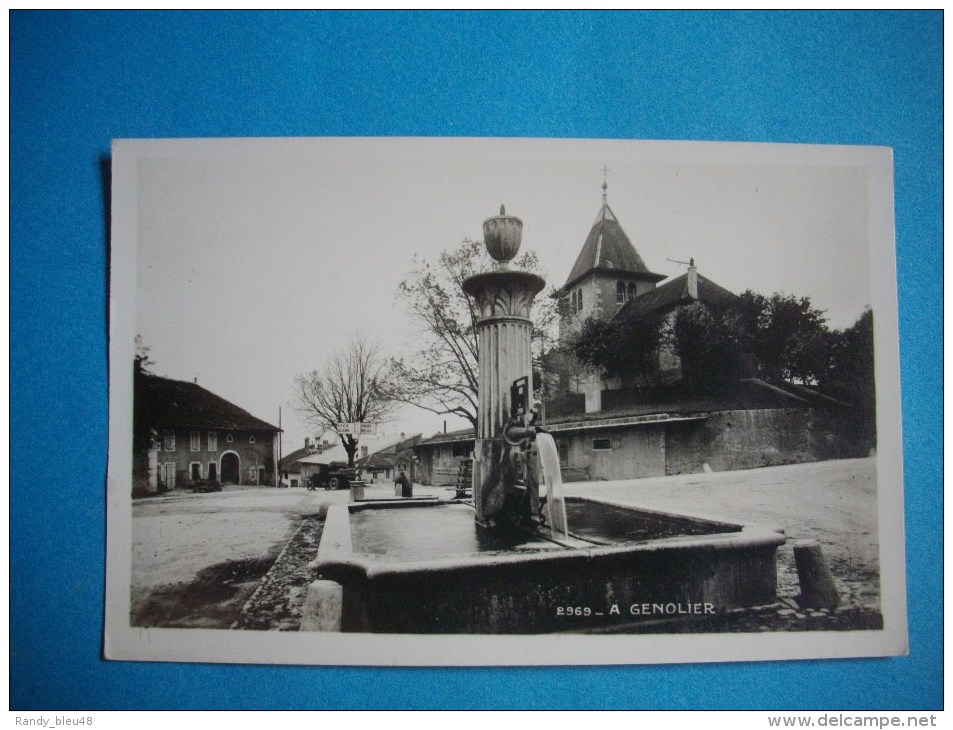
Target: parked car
x,y
336,475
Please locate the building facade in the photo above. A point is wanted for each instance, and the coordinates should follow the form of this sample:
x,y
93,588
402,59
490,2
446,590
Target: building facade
x,y
184,434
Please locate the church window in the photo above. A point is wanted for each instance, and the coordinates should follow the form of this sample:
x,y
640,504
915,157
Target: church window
x,y
631,290
620,292
579,293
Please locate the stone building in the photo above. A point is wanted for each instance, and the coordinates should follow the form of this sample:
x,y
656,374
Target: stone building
x,y
382,463
182,433
438,459
631,425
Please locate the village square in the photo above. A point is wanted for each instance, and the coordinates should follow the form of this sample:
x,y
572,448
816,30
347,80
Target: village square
x,y
668,394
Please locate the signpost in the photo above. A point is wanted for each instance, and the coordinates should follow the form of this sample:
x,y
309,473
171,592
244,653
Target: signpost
x,y
356,429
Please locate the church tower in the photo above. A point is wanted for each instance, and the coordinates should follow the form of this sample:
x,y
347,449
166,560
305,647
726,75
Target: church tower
x,y
608,273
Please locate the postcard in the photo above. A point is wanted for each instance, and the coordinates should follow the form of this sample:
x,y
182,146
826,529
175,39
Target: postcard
x,y
450,401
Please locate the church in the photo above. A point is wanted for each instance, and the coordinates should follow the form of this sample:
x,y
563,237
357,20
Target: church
x,y
632,425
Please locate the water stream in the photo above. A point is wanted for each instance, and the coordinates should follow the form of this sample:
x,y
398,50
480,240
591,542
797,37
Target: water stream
x,y
552,477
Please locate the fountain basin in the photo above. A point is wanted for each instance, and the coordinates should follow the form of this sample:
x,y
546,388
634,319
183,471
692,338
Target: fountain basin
x,y
426,568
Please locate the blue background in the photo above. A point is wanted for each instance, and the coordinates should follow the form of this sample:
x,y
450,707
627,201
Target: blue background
x,y
79,80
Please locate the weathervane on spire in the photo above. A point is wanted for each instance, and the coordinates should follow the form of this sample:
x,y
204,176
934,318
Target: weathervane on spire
x,y
605,185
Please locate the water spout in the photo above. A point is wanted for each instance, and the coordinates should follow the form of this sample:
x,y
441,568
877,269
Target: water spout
x,y
555,497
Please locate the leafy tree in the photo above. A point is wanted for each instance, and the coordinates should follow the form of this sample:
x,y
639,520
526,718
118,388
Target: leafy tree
x,y
599,344
143,361
351,388
441,376
704,342
787,335
780,337
618,347
851,373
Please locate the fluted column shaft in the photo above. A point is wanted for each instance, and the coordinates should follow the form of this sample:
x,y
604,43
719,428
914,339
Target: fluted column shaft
x,y
504,339
504,355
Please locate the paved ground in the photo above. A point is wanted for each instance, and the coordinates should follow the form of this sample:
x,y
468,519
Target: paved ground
x,y
197,558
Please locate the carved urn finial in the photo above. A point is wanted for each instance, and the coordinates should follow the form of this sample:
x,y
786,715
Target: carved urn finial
x,y
502,235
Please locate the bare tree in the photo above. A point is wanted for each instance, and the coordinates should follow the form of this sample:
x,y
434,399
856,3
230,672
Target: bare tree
x,y
442,376
349,389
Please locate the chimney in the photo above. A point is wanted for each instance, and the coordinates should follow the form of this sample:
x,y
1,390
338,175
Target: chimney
x,y
692,284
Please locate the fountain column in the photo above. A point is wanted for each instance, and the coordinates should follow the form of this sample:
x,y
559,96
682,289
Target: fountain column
x,y
504,299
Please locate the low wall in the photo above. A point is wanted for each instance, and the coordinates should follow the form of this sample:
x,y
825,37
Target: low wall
x,y
536,592
729,440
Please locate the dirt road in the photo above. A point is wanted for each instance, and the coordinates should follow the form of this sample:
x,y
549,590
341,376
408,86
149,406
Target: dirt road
x,y
197,558
832,501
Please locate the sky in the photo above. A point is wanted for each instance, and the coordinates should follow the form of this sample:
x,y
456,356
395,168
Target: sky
x,y
257,260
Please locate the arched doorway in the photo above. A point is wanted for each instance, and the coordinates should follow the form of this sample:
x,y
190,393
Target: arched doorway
x,y
231,468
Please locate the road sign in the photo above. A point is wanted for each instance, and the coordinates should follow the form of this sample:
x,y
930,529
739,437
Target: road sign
x,y
356,429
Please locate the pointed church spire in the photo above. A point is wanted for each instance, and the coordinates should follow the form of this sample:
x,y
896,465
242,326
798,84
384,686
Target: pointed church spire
x,y
608,249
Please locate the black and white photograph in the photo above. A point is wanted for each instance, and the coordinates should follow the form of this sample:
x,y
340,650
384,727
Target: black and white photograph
x,y
456,401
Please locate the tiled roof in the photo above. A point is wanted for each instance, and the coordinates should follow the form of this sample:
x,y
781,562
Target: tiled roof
x,y
442,438
335,452
383,458
165,403
377,461
609,249
671,294
290,463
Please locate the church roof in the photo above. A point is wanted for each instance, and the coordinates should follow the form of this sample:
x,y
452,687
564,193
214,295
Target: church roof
x,y
671,294
608,249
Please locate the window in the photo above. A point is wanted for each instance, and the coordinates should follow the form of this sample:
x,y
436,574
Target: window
x,y
168,439
363,451
564,454
251,439
632,290
229,438
620,292
195,441
460,448
601,444
212,441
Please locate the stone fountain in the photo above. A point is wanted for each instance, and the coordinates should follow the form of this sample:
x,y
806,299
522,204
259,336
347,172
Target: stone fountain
x,y
504,298
490,567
